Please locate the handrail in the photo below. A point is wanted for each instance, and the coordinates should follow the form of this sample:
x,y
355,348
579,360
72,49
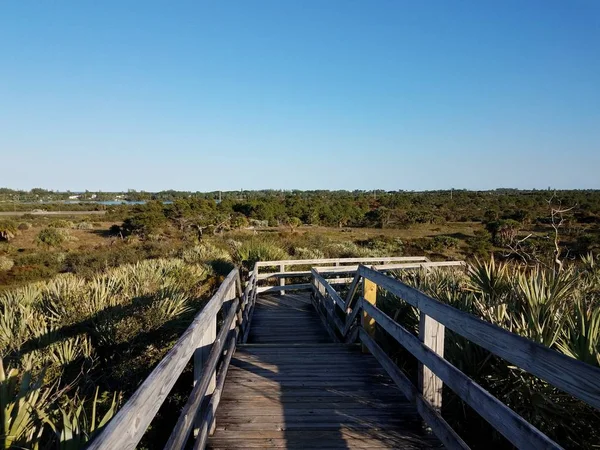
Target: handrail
x,y
347,270
212,355
127,428
182,429
570,375
340,267
305,262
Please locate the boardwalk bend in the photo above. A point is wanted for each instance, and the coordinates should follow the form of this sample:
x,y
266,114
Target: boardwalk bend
x,y
297,366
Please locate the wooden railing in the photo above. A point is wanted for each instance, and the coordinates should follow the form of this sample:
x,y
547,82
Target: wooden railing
x,y
211,342
334,266
212,348
356,316
211,352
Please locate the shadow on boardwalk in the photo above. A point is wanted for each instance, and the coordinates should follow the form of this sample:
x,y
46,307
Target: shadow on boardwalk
x,y
292,388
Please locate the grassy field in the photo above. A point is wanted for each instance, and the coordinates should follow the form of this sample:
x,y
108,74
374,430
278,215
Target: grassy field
x,y
82,239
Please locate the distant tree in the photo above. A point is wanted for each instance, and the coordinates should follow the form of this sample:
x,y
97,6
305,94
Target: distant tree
x,y
148,219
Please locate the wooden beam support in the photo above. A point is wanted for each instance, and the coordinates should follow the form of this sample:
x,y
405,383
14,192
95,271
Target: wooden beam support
x,y
568,374
431,333
432,417
201,392
369,296
282,280
200,358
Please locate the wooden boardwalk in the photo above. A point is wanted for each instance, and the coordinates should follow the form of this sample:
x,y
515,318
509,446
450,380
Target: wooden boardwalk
x,y
292,387
268,375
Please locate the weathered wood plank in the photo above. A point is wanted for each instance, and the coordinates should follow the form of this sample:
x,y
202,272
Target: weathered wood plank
x,y
201,356
332,292
289,287
431,333
320,261
440,427
570,375
310,388
208,418
369,297
181,432
516,429
282,279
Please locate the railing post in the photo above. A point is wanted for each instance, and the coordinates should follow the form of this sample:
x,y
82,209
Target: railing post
x,y
431,333
200,357
282,280
202,353
367,322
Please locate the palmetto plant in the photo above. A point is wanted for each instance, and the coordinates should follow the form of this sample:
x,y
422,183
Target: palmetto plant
x,y
22,409
559,309
540,299
255,250
66,351
171,303
50,328
76,424
581,336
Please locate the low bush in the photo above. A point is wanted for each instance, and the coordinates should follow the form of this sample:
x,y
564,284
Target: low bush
x,y
217,258
83,226
308,253
52,237
6,263
60,223
348,249
386,245
248,253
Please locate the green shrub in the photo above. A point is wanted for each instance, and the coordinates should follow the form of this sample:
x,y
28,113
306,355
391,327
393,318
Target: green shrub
x,y
60,223
23,226
76,335
384,245
89,263
503,232
439,243
206,253
256,250
52,237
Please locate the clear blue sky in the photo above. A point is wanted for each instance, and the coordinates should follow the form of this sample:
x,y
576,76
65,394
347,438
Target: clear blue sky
x,y
306,94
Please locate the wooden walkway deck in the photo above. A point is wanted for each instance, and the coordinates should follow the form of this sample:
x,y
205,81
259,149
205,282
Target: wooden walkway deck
x,y
291,387
267,371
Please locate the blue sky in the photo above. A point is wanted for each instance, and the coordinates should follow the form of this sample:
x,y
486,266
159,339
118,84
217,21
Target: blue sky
x,y
311,94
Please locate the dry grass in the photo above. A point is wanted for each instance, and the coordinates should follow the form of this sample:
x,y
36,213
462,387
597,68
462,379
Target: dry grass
x,y
84,239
